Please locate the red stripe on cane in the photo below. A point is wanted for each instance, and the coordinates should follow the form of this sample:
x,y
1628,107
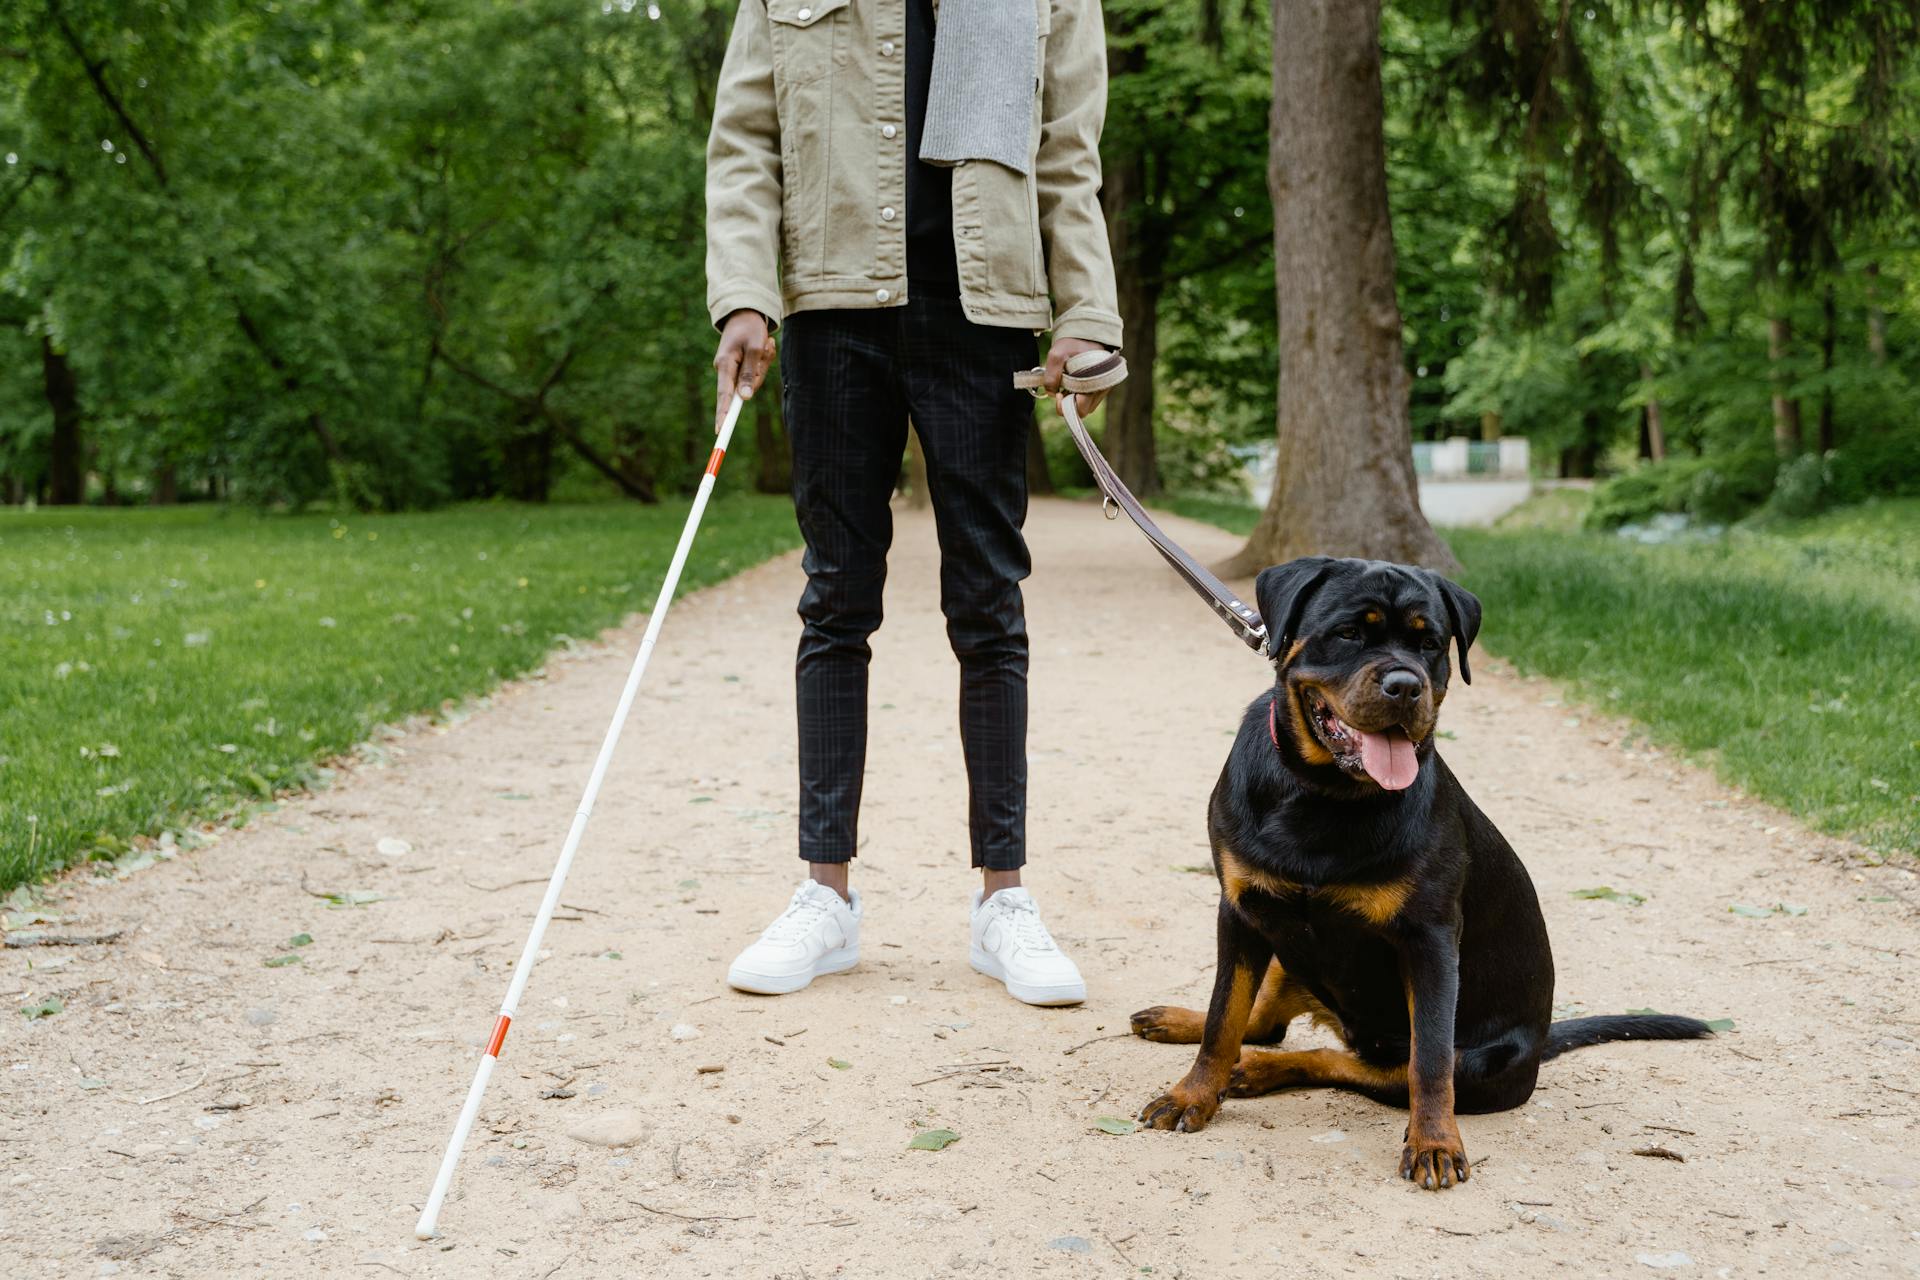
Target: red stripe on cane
x,y
713,463
499,1036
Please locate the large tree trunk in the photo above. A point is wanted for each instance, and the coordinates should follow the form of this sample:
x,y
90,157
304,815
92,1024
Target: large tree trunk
x,y
1786,410
66,468
1876,317
1128,435
1344,481
1039,475
773,456
1828,334
1653,424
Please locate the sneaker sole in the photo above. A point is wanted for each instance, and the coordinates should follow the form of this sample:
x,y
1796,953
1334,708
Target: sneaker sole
x,y
1046,997
783,984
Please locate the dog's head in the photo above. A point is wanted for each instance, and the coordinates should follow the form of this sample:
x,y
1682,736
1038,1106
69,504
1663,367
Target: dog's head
x,y
1360,651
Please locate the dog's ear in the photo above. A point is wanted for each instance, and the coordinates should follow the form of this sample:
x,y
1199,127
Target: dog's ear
x,y
1463,618
1283,592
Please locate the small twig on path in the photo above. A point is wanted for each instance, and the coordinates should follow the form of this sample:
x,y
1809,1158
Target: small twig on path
x,y
588,910
1116,1247
1118,1035
1661,1153
59,939
375,1262
496,888
692,1217
1588,1106
177,1092
1667,1128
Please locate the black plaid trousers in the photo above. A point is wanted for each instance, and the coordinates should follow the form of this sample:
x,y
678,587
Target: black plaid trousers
x,y
850,380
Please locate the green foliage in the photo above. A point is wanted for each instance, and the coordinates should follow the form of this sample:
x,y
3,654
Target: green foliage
x,y
162,667
1714,490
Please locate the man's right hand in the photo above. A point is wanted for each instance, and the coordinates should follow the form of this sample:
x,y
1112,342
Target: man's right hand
x,y
745,355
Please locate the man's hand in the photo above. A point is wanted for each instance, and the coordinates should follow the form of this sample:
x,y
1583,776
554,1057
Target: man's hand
x,y
1063,350
745,355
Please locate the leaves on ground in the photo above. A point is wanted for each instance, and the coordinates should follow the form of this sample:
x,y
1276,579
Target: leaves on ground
x,y
43,1009
1761,913
933,1140
1719,1024
281,962
839,1064
1113,1124
1607,893
300,940
1197,868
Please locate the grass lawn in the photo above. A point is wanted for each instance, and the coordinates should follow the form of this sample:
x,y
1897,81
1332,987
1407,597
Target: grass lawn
x,y
158,666
1786,655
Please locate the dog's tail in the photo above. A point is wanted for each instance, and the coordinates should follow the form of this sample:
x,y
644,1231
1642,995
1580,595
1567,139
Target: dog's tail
x,y
1578,1033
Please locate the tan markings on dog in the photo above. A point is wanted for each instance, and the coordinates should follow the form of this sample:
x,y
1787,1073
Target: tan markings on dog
x,y
1375,903
1261,1071
1434,1154
1237,876
1293,653
1373,617
1417,623
1310,749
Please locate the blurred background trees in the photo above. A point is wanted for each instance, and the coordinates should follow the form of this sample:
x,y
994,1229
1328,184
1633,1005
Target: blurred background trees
x,y
393,255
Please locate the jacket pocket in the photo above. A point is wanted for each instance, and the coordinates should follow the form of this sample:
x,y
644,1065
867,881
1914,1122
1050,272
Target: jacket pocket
x,y
807,38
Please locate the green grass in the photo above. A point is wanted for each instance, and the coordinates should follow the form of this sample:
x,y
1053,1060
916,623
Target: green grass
x,y
1786,655
163,666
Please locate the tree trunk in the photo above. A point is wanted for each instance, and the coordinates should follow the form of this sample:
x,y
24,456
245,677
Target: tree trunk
x,y
1039,475
528,454
66,470
1828,334
1490,424
1655,423
1876,317
1128,425
1344,482
773,456
1787,434
166,485
918,495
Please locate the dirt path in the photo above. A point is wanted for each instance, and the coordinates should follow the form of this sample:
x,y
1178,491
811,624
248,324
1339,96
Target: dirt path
x,y
345,1069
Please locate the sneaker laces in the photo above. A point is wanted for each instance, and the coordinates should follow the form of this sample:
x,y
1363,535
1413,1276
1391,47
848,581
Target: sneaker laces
x,y
1023,917
798,920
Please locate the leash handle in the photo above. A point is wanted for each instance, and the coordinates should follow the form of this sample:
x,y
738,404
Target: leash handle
x,y
1099,371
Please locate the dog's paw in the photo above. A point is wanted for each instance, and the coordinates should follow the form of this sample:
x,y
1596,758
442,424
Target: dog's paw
x,y
1253,1075
1181,1110
1435,1161
1166,1024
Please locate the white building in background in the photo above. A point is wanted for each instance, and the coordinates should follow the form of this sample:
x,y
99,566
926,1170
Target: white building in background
x,y
1462,481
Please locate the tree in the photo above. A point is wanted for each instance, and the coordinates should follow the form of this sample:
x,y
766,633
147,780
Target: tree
x,y
1344,482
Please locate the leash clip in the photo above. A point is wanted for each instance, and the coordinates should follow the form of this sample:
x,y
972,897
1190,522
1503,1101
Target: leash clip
x,y
1108,507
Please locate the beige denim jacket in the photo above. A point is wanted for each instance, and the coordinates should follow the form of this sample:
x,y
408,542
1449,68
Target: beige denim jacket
x,y
806,174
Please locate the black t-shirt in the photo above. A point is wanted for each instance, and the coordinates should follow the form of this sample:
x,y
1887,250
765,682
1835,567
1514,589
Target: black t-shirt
x,y
931,268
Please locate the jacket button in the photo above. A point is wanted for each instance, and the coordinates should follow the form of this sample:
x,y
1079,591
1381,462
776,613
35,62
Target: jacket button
x,y
886,48
881,295
887,131
804,14
886,214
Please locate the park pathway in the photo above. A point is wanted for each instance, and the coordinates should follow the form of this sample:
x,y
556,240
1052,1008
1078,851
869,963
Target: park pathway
x,y
195,1112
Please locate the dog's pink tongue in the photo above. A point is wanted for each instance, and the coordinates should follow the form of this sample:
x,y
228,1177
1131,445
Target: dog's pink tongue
x,y
1389,758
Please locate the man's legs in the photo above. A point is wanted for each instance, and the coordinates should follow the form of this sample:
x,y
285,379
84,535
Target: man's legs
x,y
973,426
847,425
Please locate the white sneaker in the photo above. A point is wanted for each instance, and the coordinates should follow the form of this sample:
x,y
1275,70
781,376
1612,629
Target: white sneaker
x,y
1011,943
818,933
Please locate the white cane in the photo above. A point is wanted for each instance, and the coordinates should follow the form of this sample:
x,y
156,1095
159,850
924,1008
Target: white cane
x,y
424,1229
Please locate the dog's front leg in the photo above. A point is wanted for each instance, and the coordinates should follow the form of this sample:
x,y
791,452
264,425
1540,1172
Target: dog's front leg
x,y
1244,955
1430,958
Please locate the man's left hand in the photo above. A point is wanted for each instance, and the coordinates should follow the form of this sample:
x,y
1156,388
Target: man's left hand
x,y
1063,350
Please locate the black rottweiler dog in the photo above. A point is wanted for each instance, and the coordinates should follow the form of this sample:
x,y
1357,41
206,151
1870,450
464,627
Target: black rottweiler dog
x,y
1359,885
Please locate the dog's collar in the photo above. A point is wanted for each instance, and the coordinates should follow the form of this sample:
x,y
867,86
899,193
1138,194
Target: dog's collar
x,y
1273,722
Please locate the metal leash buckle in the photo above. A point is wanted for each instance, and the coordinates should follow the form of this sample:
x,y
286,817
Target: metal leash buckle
x,y
1108,507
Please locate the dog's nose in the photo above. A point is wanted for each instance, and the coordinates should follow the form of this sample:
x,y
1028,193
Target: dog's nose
x,y
1400,685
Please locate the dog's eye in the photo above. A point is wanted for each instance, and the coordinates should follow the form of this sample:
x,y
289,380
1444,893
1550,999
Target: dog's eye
x,y
1348,632
1430,643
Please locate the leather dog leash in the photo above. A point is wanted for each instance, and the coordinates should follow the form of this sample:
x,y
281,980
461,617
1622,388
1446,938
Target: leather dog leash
x,y
1099,371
